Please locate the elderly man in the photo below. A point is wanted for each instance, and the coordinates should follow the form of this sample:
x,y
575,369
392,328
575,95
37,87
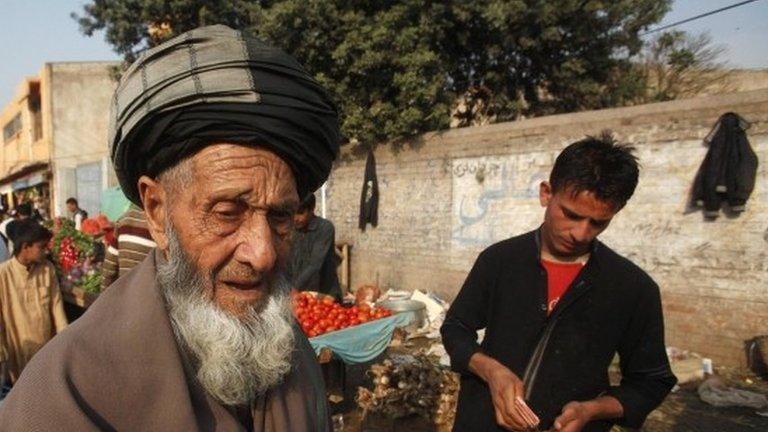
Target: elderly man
x,y
217,136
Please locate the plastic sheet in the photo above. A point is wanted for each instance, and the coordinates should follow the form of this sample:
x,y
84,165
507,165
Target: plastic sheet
x,y
361,343
114,203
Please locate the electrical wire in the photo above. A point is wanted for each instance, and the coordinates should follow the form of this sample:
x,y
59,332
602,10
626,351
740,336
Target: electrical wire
x,y
705,14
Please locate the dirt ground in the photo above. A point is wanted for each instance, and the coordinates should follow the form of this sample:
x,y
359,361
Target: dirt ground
x,y
682,411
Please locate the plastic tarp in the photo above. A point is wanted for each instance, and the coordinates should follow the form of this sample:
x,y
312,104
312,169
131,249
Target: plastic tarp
x,y
114,203
361,343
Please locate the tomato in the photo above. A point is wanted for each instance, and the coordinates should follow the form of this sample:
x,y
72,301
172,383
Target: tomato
x,y
331,328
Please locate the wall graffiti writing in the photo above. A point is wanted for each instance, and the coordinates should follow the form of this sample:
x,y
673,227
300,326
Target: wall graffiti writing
x,y
485,190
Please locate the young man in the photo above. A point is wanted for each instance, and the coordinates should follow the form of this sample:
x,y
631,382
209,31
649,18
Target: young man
x,y
557,305
313,254
78,214
31,309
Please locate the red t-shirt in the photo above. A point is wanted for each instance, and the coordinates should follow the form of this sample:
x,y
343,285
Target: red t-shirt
x,y
559,277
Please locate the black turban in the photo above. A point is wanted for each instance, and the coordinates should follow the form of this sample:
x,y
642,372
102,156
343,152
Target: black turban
x,y
213,84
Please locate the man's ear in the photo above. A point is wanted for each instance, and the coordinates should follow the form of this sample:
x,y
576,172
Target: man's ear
x,y
155,202
545,193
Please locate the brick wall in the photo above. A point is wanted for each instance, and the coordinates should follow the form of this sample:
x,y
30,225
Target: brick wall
x,y
447,195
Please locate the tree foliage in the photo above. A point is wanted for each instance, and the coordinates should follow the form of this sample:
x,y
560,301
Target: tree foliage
x,y
399,68
677,64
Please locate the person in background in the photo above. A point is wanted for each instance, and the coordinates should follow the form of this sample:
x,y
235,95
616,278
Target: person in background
x,y
22,212
10,216
4,253
313,254
4,242
134,243
78,214
557,306
31,308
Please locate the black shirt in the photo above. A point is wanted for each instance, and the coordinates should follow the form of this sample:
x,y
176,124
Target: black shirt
x,y
612,307
313,262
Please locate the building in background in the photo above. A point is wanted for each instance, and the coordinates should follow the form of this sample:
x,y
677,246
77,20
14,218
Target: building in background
x,y
54,142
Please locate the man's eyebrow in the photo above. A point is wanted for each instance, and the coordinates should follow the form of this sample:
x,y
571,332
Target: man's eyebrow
x,y
288,206
570,212
230,192
574,214
242,193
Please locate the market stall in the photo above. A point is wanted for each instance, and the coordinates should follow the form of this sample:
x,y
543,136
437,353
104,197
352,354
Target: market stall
x,y
353,334
409,382
77,257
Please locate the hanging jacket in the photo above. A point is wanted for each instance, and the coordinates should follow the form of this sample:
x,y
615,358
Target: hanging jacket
x,y
729,168
369,198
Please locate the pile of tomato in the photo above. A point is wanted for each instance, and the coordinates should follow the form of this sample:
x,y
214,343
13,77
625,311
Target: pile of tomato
x,y
319,314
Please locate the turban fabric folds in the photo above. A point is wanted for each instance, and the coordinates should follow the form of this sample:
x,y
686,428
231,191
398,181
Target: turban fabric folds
x,y
213,84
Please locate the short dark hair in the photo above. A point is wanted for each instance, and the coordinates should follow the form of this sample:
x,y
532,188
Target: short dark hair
x,y
309,203
26,232
24,209
72,200
599,165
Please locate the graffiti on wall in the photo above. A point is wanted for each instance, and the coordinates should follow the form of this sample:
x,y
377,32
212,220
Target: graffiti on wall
x,y
488,194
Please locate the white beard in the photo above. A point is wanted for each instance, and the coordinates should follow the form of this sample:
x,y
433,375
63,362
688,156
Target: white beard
x,y
234,359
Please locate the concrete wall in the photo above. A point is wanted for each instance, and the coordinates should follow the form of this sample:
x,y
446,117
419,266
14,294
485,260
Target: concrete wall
x,y
80,94
24,148
453,193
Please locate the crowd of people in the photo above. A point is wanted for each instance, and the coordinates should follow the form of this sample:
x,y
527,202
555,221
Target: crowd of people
x,y
31,307
223,155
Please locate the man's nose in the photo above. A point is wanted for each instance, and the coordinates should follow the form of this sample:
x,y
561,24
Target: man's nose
x,y
583,232
257,247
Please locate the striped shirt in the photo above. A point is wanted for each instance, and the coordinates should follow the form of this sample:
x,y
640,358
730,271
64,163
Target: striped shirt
x,y
133,245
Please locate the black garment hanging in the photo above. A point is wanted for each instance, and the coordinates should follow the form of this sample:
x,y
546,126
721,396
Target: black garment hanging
x,y
369,199
729,169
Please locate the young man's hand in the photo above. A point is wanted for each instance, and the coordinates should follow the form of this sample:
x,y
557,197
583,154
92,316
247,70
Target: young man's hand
x,y
576,415
573,418
506,388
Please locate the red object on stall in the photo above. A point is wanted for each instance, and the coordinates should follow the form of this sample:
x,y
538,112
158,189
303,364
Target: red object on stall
x,y
320,314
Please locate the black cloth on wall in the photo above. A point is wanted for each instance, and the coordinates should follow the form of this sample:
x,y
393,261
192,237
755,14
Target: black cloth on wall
x,y
729,169
369,199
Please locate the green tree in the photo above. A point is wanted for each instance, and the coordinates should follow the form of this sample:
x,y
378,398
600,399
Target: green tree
x,y
399,68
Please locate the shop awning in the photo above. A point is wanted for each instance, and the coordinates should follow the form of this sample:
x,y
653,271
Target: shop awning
x,y
29,175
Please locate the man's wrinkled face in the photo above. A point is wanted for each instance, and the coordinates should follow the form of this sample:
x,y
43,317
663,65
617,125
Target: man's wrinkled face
x,y
234,220
572,221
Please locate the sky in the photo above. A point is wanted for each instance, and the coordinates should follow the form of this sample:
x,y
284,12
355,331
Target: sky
x,y
33,32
